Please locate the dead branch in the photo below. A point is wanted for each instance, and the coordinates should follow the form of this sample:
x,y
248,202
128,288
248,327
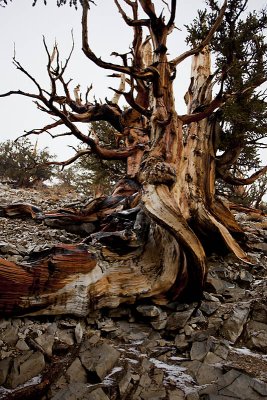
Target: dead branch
x,y
241,181
129,21
145,75
205,42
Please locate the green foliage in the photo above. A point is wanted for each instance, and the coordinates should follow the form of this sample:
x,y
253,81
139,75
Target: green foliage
x,y
21,163
239,50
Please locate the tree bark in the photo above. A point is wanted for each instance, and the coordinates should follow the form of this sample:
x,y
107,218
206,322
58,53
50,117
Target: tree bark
x,y
149,239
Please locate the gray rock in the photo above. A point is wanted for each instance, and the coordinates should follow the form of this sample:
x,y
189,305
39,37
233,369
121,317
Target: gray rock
x,y
100,359
181,342
240,385
65,336
209,307
177,320
260,246
212,358
153,394
10,335
78,333
159,324
149,310
4,323
257,335
46,341
125,382
106,325
6,248
80,391
245,276
192,396
199,350
160,321
207,374
24,368
259,312
4,369
209,297
76,372
22,345
176,394
233,326
215,284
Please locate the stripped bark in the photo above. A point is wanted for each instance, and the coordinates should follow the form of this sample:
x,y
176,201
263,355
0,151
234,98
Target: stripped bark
x,y
150,237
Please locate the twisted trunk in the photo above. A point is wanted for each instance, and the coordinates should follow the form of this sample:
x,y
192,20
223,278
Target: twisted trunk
x,y
149,238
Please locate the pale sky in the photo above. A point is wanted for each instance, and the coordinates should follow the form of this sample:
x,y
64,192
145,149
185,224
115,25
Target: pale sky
x,y
25,25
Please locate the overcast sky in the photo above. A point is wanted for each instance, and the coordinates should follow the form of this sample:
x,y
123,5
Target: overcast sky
x,y
25,26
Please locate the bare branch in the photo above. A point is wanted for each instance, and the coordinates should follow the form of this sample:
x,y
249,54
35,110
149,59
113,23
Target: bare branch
x,y
172,17
208,110
205,42
131,101
21,93
242,181
20,68
71,159
149,8
87,50
129,21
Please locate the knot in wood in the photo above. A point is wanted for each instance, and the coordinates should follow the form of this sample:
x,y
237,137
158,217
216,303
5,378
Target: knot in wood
x,y
160,173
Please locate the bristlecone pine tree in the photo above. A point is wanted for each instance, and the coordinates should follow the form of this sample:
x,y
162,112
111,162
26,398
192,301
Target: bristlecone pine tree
x,y
150,237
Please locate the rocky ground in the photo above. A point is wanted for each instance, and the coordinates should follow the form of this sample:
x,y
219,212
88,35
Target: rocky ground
x,y
213,350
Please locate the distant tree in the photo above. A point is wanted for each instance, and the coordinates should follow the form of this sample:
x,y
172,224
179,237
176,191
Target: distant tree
x,y
90,173
94,172
22,163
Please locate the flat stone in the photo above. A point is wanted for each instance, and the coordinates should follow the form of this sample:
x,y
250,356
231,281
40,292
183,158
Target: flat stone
x,y
99,360
160,321
192,396
80,391
76,372
46,341
178,320
245,276
212,358
125,382
233,326
209,307
149,310
260,246
176,394
153,394
257,335
4,369
24,368
65,336
192,367
180,341
199,350
22,345
242,386
259,312
10,335
207,374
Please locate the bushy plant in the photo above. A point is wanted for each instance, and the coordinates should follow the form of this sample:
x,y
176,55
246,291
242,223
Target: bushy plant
x,y
24,164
